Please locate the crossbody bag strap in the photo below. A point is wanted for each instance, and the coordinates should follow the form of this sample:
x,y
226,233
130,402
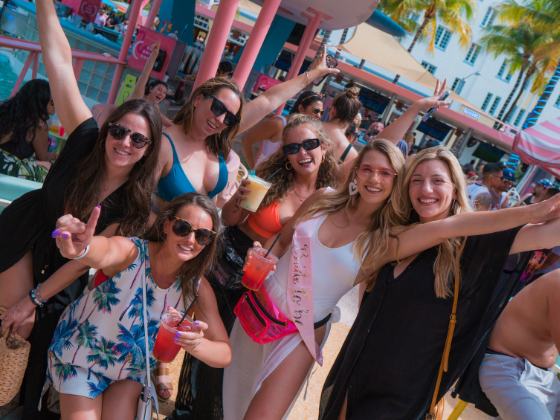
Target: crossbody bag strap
x,y
145,321
447,348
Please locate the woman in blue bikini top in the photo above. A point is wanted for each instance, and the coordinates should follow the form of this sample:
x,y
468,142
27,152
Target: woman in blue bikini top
x,y
196,147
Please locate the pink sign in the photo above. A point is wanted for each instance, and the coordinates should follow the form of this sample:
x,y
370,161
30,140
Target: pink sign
x,y
141,51
87,9
265,82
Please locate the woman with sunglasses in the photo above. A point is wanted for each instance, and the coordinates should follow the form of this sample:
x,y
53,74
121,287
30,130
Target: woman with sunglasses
x,y
97,359
345,107
269,131
303,164
113,166
24,133
195,149
153,91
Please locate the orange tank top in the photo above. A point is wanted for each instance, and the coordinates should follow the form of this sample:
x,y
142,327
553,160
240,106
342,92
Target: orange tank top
x,y
266,222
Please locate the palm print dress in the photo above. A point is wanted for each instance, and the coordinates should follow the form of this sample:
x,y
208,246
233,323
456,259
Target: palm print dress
x,y
100,337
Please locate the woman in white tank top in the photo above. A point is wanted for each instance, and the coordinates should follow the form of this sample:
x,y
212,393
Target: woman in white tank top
x,y
269,131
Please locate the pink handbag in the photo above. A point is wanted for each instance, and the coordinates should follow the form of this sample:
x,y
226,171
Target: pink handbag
x,y
261,319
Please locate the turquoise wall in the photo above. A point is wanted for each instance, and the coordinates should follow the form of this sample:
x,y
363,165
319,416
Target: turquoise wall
x,y
180,13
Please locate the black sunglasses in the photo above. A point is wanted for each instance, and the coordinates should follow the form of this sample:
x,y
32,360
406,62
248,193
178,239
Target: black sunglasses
x,y
318,111
118,132
183,228
293,148
218,108
507,180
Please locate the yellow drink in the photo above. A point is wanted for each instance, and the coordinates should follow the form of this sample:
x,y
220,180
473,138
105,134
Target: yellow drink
x,y
55,128
259,187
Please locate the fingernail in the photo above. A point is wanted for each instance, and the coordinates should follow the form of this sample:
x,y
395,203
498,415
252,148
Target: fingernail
x,y
56,233
65,235
196,323
176,342
99,206
178,335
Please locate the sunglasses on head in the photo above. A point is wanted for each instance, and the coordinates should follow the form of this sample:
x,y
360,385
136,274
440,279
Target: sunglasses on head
x,y
183,228
293,148
137,140
218,108
318,111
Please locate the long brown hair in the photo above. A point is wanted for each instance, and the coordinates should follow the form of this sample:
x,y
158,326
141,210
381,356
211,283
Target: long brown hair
x,y
218,142
346,105
283,180
83,193
447,264
193,269
373,242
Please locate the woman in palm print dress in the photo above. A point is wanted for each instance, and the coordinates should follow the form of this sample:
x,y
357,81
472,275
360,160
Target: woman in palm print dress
x,y
97,356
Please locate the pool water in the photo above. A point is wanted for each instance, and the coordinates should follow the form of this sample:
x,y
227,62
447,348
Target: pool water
x,y
7,77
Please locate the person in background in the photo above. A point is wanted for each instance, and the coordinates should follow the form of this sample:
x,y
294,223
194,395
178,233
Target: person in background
x,y
24,131
374,129
431,143
410,138
483,202
345,107
366,122
101,17
113,20
506,184
403,147
352,133
515,372
537,195
492,179
225,69
469,167
269,131
153,91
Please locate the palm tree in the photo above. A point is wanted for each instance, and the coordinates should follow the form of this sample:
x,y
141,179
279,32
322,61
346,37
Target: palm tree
x,y
134,308
456,15
102,384
87,336
518,43
62,339
103,354
105,296
65,371
131,346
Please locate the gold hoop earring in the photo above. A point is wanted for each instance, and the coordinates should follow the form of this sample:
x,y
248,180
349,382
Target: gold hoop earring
x,y
290,168
323,158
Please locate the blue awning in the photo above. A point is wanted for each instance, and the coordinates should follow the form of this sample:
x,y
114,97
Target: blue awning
x,y
386,24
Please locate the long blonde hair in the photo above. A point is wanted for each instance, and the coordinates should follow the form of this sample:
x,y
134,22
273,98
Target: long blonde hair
x,y
374,241
447,263
283,179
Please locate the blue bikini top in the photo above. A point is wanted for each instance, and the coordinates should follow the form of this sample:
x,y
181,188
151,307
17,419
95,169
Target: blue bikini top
x,y
176,182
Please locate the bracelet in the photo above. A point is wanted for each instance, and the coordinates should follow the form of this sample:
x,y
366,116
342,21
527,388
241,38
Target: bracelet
x,y
38,294
307,77
34,299
83,255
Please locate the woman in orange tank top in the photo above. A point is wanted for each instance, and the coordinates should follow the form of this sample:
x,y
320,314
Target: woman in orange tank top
x,y
308,166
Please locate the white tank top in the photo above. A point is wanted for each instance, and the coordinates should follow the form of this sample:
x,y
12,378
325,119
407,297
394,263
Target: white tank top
x,y
267,147
334,272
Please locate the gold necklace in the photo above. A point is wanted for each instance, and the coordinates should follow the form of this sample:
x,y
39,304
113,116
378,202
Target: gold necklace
x,y
300,197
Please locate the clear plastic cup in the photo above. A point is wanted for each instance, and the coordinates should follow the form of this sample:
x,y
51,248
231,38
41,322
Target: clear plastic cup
x,y
259,187
258,268
165,349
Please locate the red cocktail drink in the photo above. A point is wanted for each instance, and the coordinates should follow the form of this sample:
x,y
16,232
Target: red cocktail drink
x,y
165,348
258,268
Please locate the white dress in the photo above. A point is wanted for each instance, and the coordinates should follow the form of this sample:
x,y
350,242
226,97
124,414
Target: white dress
x,y
334,271
267,147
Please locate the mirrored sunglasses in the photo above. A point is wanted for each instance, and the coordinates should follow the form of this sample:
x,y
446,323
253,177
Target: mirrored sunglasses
x,y
137,140
183,228
293,148
218,108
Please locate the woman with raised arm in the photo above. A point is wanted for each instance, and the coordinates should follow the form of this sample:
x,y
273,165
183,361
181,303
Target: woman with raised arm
x,y
95,339
427,313
153,91
269,131
113,166
303,164
195,149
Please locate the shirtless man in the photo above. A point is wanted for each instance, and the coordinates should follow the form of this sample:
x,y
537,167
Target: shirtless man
x,y
523,345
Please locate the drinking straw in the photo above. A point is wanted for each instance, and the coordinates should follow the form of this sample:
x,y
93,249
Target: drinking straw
x,y
188,310
273,174
274,243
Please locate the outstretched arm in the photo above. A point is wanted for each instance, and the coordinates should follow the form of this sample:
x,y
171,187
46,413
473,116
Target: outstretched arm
x,y
397,130
138,92
255,110
430,234
57,58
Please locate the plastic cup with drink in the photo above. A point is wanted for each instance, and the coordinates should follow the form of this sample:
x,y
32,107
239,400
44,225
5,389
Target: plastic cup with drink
x,y
259,187
258,267
165,349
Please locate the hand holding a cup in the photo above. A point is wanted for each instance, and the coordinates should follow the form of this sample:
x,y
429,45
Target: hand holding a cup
x,y
256,244
242,189
189,340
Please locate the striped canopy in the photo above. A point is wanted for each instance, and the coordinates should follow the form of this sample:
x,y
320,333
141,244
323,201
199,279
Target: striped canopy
x,y
540,145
